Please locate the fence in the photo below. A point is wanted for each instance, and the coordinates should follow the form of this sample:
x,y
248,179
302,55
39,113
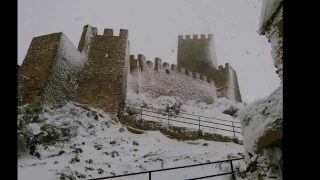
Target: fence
x,y
180,167
171,113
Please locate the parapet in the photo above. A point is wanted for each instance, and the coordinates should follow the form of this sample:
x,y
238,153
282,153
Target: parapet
x,y
167,65
87,33
195,37
174,68
157,63
109,32
227,67
135,63
150,63
163,67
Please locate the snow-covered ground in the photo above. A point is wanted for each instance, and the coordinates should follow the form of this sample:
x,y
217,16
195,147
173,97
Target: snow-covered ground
x,y
190,112
100,146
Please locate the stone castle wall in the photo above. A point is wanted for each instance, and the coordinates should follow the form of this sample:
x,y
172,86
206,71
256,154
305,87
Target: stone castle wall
x,y
55,71
195,55
36,67
102,80
161,79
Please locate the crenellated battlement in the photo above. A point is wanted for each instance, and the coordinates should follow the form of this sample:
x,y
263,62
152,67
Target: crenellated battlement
x,y
123,33
139,62
96,72
195,37
165,79
89,31
165,67
224,68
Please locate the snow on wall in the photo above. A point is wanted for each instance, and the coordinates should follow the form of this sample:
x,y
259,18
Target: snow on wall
x,y
166,81
259,116
213,53
61,84
90,32
231,93
267,9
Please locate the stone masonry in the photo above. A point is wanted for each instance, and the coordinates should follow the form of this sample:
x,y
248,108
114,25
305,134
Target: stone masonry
x,y
54,71
194,55
102,81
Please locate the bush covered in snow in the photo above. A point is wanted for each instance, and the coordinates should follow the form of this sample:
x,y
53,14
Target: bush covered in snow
x,y
232,110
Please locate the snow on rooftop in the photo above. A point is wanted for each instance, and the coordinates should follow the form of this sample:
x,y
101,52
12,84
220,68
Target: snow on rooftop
x,y
267,9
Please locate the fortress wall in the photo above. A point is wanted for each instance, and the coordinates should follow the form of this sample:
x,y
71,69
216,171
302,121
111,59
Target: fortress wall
x,y
61,84
36,67
103,79
163,81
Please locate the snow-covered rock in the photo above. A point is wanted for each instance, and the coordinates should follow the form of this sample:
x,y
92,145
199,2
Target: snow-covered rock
x,y
261,116
98,146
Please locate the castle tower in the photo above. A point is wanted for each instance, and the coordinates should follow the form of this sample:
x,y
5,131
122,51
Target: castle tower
x,y
55,72
197,55
103,79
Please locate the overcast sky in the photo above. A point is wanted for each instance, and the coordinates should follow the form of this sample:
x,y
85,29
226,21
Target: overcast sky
x,y
154,27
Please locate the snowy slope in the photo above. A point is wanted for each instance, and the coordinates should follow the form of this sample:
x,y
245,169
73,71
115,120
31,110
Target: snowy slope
x,y
189,109
99,146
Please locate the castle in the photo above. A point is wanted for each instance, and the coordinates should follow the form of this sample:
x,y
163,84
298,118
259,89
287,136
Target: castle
x,y
100,71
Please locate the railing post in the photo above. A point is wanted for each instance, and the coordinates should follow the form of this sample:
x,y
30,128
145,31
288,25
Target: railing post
x,y
199,122
234,133
233,177
168,119
149,175
141,112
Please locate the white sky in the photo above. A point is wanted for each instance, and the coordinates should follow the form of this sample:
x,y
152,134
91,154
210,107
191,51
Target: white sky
x,y
154,27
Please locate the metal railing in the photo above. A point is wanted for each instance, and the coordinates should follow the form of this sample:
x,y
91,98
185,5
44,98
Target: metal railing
x,y
180,167
168,114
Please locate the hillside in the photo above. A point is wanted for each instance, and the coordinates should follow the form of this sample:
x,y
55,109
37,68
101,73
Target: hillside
x,y
79,142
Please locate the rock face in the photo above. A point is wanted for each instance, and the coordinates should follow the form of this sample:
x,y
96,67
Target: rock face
x,y
262,121
261,124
